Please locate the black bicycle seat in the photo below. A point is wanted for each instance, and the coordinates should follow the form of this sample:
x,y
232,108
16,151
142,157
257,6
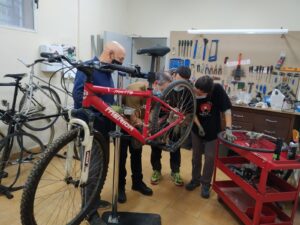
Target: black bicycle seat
x,y
17,76
155,51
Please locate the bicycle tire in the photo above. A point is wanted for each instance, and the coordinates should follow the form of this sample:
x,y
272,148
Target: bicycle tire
x,y
32,207
37,106
12,160
179,95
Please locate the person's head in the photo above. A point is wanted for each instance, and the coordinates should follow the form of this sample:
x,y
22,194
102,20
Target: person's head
x,y
182,73
204,86
113,52
162,80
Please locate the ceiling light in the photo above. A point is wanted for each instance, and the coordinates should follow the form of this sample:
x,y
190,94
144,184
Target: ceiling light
x,y
238,31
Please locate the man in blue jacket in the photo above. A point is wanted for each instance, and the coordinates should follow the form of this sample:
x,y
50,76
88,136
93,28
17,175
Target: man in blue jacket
x,y
113,53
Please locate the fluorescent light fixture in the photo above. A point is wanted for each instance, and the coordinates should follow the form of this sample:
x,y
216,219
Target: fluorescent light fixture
x,y
238,31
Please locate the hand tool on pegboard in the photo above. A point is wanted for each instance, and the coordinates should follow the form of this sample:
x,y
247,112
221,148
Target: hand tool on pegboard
x,y
226,59
205,41
250,87
198,68
211,69
195,49
220,70
179,46
280,61
183,48
187,49
206,72
215,70
191,46
238,72
213,44
202,68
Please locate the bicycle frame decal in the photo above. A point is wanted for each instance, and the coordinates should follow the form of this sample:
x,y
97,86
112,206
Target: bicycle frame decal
x,y
119,118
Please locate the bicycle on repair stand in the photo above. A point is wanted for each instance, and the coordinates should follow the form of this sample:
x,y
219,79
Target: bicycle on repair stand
x,y
64,181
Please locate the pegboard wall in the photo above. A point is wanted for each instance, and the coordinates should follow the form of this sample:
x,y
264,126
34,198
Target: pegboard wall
x,y
259,56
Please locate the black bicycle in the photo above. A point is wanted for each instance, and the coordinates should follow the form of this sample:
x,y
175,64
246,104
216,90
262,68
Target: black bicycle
x,y
20,144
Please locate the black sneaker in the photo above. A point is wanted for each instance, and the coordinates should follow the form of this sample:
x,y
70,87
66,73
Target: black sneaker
x,y
122,196
142,188
96,220
192,185
205,191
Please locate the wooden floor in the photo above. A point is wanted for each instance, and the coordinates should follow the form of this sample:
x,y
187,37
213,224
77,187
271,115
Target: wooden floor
x,y
175,205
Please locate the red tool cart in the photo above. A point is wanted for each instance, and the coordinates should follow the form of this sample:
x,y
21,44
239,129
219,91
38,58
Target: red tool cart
x,y
256,200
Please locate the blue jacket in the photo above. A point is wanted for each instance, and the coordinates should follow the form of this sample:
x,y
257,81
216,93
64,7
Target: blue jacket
x,y
99,78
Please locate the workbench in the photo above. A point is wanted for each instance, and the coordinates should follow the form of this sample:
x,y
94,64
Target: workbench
x,y
256,204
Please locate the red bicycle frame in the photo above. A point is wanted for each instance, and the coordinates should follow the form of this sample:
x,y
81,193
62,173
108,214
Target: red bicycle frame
x,y
90,99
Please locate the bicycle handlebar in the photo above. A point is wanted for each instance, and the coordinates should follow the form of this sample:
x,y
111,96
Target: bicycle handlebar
x,y
105,67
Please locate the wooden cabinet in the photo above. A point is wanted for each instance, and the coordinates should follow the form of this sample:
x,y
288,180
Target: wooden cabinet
x,y
270,122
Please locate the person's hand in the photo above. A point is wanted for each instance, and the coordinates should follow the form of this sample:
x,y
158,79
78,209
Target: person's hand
x,y
229,136
201,131
117,108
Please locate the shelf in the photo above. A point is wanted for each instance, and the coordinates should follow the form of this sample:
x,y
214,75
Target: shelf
x,y
276,188
239,201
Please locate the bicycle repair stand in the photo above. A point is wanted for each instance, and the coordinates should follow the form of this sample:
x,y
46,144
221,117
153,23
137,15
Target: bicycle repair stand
x,y
124,218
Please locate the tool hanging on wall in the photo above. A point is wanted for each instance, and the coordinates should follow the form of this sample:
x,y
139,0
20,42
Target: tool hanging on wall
x,y
205,41
220,70
213,44
195,49
250,87
238,72
280,61
191,46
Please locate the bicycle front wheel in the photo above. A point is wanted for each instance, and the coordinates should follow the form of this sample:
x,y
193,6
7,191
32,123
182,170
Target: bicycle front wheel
x,y
51,196
180,96
44,101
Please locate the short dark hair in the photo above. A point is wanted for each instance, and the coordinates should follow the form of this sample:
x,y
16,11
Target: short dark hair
x,y
184,72
205,84
162,77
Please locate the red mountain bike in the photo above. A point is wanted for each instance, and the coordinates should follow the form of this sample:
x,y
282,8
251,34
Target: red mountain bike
x,y
55,189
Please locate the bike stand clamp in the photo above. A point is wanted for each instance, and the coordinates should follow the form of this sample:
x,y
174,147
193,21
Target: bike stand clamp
x,y
124,218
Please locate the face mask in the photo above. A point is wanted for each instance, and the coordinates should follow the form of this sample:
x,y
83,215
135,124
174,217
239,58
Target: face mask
x,y
116,62
157,93
201,97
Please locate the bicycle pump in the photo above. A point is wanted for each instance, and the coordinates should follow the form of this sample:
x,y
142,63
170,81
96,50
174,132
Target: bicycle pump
x,y
127,218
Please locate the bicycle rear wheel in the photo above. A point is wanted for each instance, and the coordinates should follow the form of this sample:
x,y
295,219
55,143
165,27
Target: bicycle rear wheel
x,y
44,101
180,96
46,136
48,190
15,154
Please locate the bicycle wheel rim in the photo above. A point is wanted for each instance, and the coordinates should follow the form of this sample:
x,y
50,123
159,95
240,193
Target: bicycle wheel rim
x,y
44,101
179,95
245,145
46,189
46,136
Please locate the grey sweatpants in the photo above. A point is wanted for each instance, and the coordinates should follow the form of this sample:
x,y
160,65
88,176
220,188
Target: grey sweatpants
x,y
200,147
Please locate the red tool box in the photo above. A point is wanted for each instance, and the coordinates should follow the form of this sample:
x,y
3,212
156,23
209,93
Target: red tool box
x,y
256,204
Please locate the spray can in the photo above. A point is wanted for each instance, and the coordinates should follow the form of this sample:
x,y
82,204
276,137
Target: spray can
x,y
279,143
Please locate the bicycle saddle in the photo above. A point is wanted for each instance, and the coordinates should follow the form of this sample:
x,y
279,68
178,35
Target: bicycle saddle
x,y
17,76
154,51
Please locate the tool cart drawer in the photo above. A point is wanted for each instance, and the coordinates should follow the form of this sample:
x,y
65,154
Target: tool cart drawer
x,y
240,125
238,115
273,125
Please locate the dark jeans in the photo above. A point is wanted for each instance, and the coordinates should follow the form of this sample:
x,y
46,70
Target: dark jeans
x,y
175,159
135,162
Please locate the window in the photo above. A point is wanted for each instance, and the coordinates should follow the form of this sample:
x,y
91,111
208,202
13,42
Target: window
x,y
17,13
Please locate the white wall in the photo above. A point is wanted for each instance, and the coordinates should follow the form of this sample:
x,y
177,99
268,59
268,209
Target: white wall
x,y
68,22
156,18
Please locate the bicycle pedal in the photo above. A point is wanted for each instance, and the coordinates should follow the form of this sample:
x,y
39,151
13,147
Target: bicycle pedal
x,y
3,174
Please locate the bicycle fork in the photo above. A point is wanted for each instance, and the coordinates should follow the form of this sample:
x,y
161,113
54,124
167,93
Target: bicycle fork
x,y
86,152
